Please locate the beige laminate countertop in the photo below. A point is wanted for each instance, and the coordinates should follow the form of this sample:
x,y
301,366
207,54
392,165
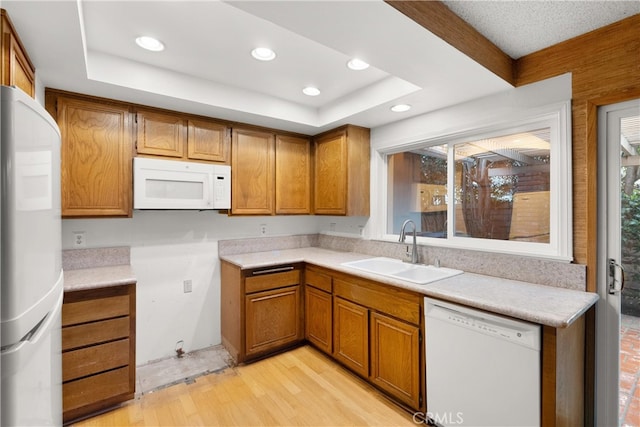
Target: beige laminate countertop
x,y
98,277
546,305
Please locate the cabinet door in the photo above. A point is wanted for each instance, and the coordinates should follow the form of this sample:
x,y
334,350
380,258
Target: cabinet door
x,y
395,358
208,141
17,69
351,335
96,158
20,72
273,319
293,175
318,319
252,159
160,134
331,174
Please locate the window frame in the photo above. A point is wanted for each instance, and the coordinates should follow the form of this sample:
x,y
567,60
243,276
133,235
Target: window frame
x,y
560,247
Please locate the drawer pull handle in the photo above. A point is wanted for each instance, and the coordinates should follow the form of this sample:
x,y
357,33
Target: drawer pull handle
x,y
272,270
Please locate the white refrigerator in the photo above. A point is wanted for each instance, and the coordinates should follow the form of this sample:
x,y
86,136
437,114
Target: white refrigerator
x,y
31,263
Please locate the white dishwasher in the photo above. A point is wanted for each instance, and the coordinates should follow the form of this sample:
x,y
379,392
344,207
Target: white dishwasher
x,y
482,369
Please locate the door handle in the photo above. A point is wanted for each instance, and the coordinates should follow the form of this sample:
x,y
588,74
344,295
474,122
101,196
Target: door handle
x,y
614,267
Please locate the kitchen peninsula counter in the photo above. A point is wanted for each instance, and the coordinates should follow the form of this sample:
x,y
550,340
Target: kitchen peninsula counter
x,y
542,304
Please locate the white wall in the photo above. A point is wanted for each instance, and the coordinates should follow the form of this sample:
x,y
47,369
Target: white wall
x,y
503,107
168,247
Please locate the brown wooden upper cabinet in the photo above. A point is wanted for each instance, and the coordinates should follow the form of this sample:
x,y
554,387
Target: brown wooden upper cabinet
x,y
16,68
208,140
271,173
181,137
96,156
252,161
293,175
342,172
160,134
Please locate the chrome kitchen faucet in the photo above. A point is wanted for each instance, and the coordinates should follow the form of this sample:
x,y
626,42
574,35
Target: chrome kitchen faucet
x,y
414,248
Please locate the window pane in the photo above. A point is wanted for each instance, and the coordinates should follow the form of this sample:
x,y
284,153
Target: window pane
x,y
418,191
502,187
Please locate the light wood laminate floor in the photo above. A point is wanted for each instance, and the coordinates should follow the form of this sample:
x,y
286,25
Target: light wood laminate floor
x,y
301,387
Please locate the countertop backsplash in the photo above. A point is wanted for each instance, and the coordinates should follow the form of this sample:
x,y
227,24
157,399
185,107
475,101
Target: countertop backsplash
x,y
527,269
264,244
78,259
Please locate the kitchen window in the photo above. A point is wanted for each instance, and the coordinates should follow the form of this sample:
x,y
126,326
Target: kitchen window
x,y
501,189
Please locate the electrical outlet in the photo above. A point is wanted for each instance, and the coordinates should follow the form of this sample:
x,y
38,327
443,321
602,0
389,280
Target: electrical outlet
x,y
263,229
187,285
79,239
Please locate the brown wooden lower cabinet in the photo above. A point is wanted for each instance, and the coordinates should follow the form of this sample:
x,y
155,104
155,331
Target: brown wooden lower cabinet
x,y
261,310
395,358
563,379
377,334
273,319
351,335
319,320
319,309
374,330
98,349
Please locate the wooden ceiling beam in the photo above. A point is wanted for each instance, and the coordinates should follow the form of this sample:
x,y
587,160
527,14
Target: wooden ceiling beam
x,y
436,17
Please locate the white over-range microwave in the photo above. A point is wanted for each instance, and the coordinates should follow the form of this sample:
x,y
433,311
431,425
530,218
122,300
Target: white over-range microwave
x,y
170,184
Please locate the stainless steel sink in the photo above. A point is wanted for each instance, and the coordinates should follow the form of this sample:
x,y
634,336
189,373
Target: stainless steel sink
x,y
415,273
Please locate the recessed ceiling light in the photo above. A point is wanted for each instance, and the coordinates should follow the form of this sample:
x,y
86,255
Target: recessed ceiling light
x,y
400,108
357,64
150,43
263,54
311,91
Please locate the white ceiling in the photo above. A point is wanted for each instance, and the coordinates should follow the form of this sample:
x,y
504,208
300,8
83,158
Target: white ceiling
x,y
207,69
519,28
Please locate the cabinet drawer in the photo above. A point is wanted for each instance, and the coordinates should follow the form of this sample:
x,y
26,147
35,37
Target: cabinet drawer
x,y
94,309
268,281
77,394
318,280
390,300
95,333
91,360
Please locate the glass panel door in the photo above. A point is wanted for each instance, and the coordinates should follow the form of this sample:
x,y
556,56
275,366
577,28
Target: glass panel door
x,y
618,311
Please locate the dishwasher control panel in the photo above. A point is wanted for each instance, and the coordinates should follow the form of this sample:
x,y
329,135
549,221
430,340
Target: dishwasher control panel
x,y
517,331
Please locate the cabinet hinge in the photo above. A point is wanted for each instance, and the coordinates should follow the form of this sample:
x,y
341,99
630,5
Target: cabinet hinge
x,y
420,338
420,400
